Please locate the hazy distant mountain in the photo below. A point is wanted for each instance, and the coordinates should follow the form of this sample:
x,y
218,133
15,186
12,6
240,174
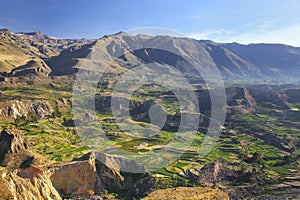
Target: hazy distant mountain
x,y
274,60
229,62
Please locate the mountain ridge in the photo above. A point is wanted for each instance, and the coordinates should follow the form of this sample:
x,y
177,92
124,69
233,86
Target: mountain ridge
x,y
235,61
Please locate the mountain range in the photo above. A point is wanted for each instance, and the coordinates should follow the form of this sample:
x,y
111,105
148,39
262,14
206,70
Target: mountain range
x,y
27,54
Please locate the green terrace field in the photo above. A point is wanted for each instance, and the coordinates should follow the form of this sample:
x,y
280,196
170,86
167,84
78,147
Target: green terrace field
x,y
261,143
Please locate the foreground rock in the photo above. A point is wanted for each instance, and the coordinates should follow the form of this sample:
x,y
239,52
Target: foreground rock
x,y
14,153
94,172
20,179
77,179
193,193
31,187
23,178
112,171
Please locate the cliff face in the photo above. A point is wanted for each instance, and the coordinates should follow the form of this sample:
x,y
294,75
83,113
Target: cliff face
x,y
13,109
240,100
14,151
76,179
13,186
90,174
20,178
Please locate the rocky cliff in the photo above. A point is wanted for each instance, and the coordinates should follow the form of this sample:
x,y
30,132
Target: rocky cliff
x,y
20,177
13,109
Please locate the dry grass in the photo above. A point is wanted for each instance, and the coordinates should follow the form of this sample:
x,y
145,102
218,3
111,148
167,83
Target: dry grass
x,y
193,193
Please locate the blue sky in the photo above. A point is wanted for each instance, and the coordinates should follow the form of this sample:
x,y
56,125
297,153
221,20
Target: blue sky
x,y
270,21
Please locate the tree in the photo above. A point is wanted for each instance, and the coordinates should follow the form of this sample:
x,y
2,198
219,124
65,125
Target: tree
x,y
56,112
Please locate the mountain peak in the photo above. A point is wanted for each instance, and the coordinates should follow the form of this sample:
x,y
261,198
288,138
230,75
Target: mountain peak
x,y
36,34
5,30
121,33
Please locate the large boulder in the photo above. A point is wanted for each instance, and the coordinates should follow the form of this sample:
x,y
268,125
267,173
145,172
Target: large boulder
x,y
116,174
77,178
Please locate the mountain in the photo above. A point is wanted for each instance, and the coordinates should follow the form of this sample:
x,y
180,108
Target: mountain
x,y
234,61
129,51
274,60
19,49
14,52
229,62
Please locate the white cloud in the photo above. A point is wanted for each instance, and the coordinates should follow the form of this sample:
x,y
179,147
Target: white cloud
x,y
267,32
267,25
209,34
286,35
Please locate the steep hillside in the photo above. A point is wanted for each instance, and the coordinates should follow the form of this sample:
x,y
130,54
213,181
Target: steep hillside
x,y
234,61
17,49
13,52
186,55
274,60
231,64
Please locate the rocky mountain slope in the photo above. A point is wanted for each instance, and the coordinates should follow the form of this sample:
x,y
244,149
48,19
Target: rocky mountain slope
x,y
177,52
274,60
20,49
234,61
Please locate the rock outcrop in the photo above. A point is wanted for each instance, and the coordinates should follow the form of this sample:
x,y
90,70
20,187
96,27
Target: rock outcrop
x,y
93,172
20,179
13,186
240,100
14,153
77,179
225,175
25,108
115,173
221,174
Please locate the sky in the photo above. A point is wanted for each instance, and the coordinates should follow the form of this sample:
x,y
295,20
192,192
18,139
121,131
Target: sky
x,y
255,21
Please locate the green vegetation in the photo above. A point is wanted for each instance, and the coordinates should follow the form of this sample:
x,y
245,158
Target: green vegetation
x,y
262,143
